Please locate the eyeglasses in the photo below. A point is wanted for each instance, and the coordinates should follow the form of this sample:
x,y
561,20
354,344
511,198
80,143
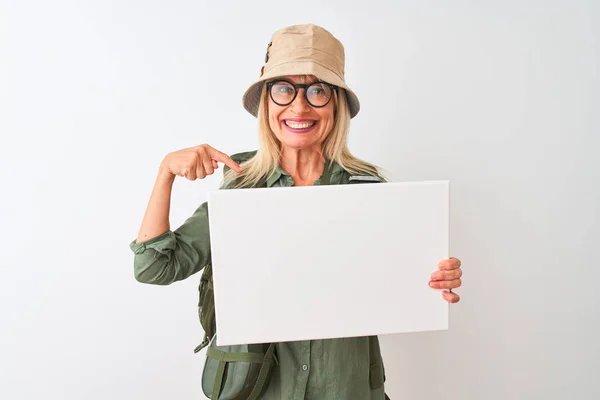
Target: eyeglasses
x,y
317,94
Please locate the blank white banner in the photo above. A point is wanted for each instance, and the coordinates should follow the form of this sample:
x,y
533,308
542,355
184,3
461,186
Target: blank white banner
x,y
324,262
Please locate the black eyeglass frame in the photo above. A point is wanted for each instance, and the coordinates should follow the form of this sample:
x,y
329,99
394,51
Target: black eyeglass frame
x,y
297,86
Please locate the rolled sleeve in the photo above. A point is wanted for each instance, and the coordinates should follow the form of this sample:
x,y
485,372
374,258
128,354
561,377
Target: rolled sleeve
x,y
174,255
162,244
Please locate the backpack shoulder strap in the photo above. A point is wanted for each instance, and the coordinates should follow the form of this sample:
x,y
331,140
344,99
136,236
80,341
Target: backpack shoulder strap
x,y
351,179
364,179
269,360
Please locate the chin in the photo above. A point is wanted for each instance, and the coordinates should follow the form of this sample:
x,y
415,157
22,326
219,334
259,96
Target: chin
x,y
298,143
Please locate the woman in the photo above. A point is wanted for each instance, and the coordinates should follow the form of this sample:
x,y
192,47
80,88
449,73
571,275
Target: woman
x,y
304,109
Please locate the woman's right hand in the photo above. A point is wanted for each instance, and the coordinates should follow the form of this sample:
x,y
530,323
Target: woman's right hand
x,y
196,162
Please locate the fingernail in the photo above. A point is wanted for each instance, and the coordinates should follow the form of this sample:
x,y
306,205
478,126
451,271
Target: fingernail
x,y
431,284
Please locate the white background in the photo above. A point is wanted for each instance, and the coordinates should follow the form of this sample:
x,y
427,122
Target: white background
x,y
499,97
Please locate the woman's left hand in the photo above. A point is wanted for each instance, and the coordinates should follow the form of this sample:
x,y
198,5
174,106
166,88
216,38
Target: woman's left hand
x,y
447,277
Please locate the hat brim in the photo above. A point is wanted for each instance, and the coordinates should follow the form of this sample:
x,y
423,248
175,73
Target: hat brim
x,y
251,98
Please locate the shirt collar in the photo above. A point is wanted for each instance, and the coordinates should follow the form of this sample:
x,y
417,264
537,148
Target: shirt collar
x,y
275,175
334,169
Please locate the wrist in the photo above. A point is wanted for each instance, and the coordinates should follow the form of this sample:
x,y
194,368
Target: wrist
x,y
165,175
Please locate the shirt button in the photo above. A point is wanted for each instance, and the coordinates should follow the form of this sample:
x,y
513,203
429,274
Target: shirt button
x,y
304,367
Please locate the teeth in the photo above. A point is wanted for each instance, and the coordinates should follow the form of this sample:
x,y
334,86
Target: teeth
x,y
297,125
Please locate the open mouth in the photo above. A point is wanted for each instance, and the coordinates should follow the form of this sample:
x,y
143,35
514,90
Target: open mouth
x,y
299,125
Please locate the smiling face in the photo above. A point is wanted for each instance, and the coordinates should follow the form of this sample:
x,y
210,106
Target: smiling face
x,y
299,125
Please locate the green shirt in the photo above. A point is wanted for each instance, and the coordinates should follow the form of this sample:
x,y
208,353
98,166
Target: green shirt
x,y
331,369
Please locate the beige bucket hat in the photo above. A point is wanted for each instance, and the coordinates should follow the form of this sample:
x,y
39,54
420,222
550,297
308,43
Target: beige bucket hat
x,y
302,50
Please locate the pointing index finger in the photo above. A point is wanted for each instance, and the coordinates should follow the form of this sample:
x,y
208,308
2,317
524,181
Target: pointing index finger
x,y
225,159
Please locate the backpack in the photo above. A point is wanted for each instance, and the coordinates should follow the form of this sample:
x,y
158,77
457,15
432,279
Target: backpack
x,y
241,372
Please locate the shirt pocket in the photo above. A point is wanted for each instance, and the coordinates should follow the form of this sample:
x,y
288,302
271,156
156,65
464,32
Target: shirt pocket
x,y
376,375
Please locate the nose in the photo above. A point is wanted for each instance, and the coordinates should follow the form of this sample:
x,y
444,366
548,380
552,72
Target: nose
x,y
300,104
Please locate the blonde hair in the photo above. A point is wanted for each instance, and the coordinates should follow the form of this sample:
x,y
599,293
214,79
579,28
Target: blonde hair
x,y
267,158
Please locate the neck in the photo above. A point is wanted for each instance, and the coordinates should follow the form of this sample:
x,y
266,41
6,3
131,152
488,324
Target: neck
x,y
304,165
